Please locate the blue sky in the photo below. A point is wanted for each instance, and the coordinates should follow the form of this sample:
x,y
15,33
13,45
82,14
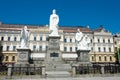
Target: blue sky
x,y
71,12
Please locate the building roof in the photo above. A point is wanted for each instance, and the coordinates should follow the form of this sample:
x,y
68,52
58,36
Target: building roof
x,y
66,29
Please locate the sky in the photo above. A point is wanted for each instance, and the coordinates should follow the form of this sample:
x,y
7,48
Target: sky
x,y
71,12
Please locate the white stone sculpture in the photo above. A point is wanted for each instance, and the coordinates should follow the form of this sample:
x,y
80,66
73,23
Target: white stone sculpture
x,y
24,37
82,41
53,25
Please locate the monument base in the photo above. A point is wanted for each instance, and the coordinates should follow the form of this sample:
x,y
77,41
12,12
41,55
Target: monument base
x,y
23,56
83,57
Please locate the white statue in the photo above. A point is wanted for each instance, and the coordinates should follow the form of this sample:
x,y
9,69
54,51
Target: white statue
x,y
24,37
82,41
53,25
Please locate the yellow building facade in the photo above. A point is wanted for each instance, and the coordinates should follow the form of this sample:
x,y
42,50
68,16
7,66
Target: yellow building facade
x,y
102,43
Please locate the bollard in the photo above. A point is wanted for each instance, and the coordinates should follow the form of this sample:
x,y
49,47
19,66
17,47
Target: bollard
x,y
73,71
43,71
9,72
102,69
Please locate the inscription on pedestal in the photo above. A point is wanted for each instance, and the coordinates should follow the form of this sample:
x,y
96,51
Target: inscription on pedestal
x,y
23,56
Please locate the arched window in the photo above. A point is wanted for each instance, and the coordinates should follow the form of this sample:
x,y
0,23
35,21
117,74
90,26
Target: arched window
x,y
99,58
110,58
105,58
13,58
92,58
6,58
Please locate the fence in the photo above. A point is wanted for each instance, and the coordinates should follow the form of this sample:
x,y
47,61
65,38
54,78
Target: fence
x,y
20,70
37,70
96,69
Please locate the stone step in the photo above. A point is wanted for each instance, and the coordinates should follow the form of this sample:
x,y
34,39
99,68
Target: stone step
x,y
58,67
57,74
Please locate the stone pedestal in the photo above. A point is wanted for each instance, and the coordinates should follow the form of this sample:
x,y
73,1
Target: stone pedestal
x,y
23,56
83,56
53,55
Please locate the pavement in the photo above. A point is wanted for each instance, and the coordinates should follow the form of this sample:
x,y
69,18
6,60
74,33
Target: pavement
x,y
62,78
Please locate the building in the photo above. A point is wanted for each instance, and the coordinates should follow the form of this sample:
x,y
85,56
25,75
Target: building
x,y
117,46
102,44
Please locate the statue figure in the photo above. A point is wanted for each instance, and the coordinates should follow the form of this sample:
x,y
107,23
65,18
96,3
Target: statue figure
x,y
54,20
24,37
82,41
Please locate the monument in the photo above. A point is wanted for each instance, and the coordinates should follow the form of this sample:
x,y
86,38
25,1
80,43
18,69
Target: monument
x,y
24,51
83,47
53,25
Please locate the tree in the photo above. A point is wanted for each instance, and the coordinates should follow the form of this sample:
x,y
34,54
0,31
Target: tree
x,y
117,56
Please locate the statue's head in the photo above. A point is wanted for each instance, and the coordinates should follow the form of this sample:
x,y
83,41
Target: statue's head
x,y
25,27
54,11
78,30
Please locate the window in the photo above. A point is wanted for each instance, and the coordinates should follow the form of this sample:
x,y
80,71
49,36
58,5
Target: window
x,y
65,40
65,49
76,48
35,38
8,38
110,58
14,48
108,40
14,38
115,42
109,49
34,47
91,48
1,48
13,58
91,40
6,58
70,49
92,58
40,38
98,40
103,40
8,47
104,49
99,58
99,50
46,38
2,38
46,47
105,58
70,40
40,48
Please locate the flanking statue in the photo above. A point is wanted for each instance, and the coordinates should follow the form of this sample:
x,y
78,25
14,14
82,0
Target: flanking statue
x,y
24,37
53,25
83,41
